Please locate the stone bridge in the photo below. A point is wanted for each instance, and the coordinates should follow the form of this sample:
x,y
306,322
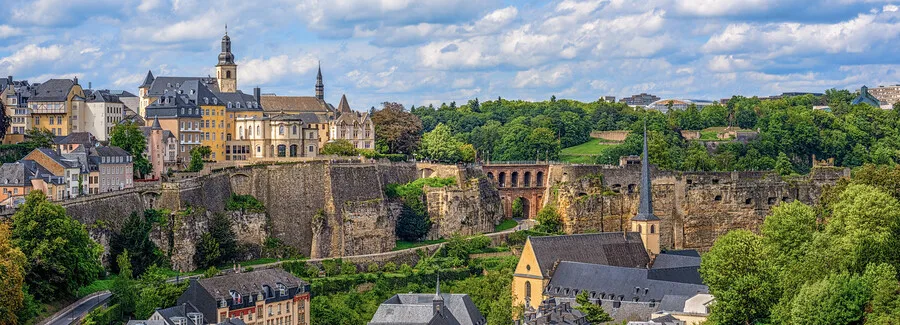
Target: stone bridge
x,y
525,181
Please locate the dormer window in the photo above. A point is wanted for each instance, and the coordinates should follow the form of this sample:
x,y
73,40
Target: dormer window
x,y
281,289
206,100
236,297
229,104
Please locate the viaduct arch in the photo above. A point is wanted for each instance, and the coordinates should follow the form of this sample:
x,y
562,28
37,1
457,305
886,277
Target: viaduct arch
x,y
525,181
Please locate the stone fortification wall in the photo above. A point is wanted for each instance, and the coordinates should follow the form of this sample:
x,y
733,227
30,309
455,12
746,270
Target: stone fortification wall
x,y
695,207
471,207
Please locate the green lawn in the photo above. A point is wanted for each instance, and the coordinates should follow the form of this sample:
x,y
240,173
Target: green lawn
x,y
96,286
506,224
405,244
709,135
585,153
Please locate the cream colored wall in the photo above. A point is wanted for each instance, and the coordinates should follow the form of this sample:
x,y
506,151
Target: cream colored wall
x,y
527,271
650,240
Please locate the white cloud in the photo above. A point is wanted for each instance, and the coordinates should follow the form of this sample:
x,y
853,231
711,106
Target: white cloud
x,y
7,31
266,71
29,56
463,83
535,78
728,63
713,8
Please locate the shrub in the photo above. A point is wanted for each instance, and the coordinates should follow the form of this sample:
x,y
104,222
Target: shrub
x,y
373,268
390,267
244,203
348,269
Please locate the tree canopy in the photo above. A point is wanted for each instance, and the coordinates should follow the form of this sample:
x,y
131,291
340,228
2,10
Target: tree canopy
x,y
129,137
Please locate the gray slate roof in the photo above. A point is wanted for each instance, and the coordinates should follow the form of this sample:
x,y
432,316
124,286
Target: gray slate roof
x,y
168,85
59,159
645,206
417,309
609,248
83,138
170,106
18,173
109,151
248,282
179,311
247,101
54,90
603,281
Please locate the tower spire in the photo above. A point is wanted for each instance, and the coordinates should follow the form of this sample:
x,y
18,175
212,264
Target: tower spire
x,y
320,86
645,207
437,303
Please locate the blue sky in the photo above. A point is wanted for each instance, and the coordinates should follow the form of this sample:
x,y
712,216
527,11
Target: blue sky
x,y
421,52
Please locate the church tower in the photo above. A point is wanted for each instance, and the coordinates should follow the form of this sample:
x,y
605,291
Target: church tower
x,y
645,222
320,87
226,70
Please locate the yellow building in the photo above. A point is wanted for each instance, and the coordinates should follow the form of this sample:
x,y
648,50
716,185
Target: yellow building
x,y
238,106
56,104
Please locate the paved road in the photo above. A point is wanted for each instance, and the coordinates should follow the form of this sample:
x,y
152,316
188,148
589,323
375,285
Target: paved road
x,y
76,311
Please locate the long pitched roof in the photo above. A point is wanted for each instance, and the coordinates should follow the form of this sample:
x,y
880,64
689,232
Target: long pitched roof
x,y
295,104
248,282
570,278
608,248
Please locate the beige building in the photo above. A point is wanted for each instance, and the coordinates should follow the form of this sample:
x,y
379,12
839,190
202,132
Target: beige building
x,y
275,136
14,96
178,114
57,105
114,168
262,297
352,126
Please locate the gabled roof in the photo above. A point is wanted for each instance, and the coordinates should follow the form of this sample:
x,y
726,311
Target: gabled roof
x,y
418,309
866,98
148,80
616,281
18,173
57,158
181,310
82,138
109,151
170,85
608,248
54,90
295,104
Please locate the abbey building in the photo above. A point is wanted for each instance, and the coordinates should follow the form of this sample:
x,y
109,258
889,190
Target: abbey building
x,y
240,127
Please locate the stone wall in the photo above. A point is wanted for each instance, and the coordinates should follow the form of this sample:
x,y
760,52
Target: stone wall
x,y
471,207
695,207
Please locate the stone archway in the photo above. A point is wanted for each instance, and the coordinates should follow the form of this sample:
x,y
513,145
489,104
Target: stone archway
x,y
521,208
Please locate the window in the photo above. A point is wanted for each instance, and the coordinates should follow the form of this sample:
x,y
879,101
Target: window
x,y
527,292
281,130
295,129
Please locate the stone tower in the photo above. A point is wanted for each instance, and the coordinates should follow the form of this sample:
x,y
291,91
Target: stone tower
x,y
226,70
645,222
320,87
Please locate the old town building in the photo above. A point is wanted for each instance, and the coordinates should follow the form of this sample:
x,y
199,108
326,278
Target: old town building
x,y
14,96
180,115
62,183
275,136
161,150
355,127
262,297
56,105
104,110
428,309
115,170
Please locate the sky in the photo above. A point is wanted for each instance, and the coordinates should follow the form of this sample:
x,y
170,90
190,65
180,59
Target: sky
x,y
429,52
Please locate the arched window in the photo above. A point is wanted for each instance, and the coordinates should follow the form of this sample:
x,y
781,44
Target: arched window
x,y
281,150
241,131
258,149
258,132
652,229
540,179
527,292
501,180
281,130
295,130
515,179
526,179
228,74
293,151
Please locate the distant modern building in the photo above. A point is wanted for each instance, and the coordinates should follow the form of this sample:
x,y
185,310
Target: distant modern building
x,y
886,95
678,104
866,98
428,309
639,100
266,297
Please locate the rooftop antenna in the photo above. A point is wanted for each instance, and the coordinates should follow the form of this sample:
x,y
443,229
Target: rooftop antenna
x,y
226,29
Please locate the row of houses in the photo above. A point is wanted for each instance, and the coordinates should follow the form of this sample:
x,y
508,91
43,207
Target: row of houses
x,y
238,127
76,165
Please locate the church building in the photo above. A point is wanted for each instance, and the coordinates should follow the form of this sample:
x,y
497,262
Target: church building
x,y
626,273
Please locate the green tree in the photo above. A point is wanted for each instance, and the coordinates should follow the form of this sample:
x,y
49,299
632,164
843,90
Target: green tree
x,y
412,225
135,238
740,277
884,307
218,246
124,288
340,147
440,145
783,165
155,292
714,115
208,251
745,118
39,138
62,255
129,137
197,156
787,233
467,153
396,130
548,220
837,299
593,313
12,279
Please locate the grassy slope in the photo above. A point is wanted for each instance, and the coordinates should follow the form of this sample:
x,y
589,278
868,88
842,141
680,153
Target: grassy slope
x,y
585,153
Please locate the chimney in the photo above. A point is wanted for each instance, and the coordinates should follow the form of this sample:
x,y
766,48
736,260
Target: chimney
x,y
89,85
256,93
